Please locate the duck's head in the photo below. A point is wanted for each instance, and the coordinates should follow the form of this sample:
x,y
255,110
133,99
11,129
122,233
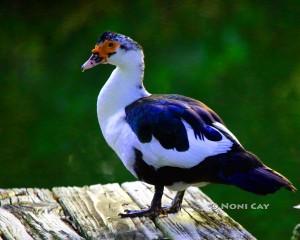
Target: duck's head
x,y
113,48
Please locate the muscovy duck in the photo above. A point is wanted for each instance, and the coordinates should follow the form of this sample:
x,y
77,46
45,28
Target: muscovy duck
x,y
169,140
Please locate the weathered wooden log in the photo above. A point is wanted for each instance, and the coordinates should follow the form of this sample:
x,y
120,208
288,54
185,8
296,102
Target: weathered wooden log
x,y
91,212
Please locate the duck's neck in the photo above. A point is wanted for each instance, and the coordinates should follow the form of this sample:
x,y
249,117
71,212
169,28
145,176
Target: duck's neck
x,y
124,86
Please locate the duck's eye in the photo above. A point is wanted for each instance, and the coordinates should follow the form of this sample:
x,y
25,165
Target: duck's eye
x,y
110,44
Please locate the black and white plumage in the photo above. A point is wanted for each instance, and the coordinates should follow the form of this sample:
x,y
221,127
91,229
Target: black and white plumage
x,y
164,117
169,140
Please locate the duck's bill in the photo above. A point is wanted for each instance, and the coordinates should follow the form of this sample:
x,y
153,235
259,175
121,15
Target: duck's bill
x,y
93,61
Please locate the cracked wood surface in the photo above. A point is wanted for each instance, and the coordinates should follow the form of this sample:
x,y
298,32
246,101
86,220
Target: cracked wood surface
x,y
91,212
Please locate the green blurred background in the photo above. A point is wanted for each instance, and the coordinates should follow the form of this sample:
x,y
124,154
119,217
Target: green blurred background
x,y
242,58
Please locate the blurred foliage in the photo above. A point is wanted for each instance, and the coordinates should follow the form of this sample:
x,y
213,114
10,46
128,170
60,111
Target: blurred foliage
x,y
240,57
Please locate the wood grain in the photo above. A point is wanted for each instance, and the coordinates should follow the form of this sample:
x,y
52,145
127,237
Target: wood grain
x,y
92,212
95,210
33,214
200,218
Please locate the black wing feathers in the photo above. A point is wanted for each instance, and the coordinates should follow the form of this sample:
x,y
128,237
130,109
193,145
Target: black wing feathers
x,y
161,116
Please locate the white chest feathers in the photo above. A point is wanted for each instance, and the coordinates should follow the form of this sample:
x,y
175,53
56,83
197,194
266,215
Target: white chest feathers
x,y
120,138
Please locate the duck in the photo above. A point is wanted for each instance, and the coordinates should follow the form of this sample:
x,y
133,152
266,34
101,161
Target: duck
x,y
169,140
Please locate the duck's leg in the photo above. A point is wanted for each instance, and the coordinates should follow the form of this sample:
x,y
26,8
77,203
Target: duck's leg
x,y
176,203
154,210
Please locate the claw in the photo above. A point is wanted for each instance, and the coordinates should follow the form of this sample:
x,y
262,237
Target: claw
x,y
172,209
151,213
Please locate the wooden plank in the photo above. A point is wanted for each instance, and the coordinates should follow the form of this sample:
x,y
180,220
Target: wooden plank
x,y
175,226
38,212
11,228
92,212
9,195
204,209
188,224
95,211
78,206
114,200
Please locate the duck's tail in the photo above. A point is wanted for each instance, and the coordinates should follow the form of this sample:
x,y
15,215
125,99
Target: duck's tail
x,y
263,180
259,179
